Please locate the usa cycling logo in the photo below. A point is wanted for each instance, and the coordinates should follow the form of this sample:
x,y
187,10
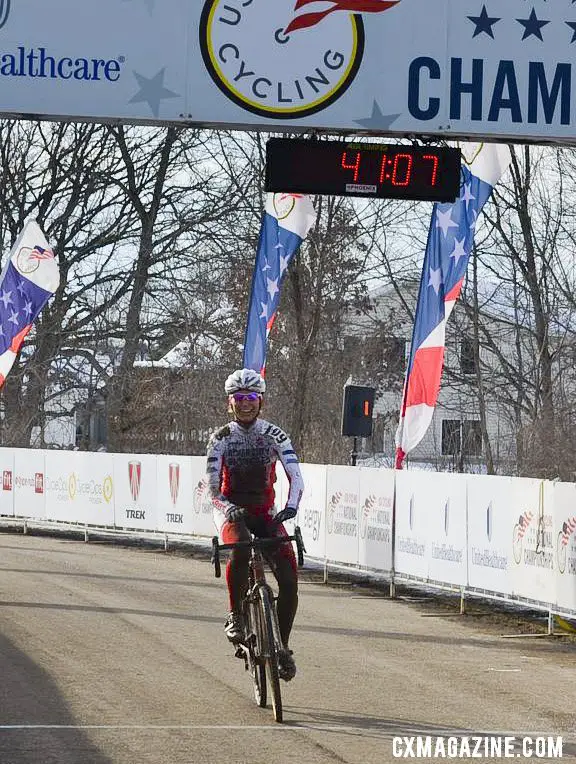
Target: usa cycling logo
x,y
285,59
4,12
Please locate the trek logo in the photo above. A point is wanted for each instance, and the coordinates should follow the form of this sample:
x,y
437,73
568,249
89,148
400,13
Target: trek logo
x,y
261,59
174,480
135,478
136,514
4,12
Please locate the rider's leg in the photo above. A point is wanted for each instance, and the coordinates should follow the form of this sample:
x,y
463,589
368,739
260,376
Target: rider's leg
x,y
287,603
285,568
236,575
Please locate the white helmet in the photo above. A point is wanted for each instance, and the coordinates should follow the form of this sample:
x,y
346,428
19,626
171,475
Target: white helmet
x,y
244,379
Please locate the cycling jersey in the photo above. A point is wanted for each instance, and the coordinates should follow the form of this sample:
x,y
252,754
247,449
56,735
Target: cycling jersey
x,y
241,466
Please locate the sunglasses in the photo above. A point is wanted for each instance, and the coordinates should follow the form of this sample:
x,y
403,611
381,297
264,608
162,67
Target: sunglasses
x,y
246,397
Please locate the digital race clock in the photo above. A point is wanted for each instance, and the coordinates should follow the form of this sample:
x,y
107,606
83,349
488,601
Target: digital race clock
x,y
379,170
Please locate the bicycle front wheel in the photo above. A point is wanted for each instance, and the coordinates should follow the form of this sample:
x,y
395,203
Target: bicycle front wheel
x,y
257,653
271,652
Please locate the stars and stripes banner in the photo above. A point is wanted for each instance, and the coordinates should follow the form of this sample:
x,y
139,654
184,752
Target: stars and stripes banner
x,y
319,9
28,280
287,220
450,240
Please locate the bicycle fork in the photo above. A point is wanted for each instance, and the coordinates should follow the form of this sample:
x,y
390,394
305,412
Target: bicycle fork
x,y
278,644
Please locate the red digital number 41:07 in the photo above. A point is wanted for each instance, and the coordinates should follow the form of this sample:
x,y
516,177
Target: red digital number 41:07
x,y
397,170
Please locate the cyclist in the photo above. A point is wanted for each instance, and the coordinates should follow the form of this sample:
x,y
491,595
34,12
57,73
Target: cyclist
x,y
241,471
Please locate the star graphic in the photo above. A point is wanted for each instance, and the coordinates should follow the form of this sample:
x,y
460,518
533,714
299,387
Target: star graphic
x,y
266,267
28,307
272,287
283,263
572,25
377,120
148,3
445,221
435,279
152,91
20,289
467,196
532,26
458,250
6,298
264,313
14,317
484,23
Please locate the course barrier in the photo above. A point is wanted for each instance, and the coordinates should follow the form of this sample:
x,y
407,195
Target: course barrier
x,y
504,537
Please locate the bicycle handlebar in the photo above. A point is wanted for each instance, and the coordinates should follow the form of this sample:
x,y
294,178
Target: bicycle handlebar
x,y
256,543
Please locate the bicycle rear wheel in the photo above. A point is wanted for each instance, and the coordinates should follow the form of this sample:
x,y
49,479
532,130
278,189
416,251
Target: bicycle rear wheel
x,y
271,652
257,653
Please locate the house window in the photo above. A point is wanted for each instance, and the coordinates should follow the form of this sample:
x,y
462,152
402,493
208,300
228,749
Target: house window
x,y
451,437
372,349
471,438
395,354
467,356
461,437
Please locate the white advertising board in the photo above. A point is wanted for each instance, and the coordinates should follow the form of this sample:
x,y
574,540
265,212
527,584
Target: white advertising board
x,y
203,509
342,511
531,530
451,67
376,502
135,491
312,512
63,503
174,497
7,488
29,495
446,495
490,509
95,487
411,533
79,487
564,539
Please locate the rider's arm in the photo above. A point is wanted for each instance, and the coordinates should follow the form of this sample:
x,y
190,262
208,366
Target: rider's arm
x,y
214,468
289,460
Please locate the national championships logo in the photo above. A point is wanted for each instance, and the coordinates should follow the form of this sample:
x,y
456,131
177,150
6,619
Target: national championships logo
x,y
284,59
4,12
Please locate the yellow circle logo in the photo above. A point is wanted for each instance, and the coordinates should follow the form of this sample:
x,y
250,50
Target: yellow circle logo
x,y
274,64
107,489
72,486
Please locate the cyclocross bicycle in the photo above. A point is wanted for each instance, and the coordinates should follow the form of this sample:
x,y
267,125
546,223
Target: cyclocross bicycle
x,y
262,642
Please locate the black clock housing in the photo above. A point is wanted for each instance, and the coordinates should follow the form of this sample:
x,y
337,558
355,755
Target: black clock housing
x,y
355,168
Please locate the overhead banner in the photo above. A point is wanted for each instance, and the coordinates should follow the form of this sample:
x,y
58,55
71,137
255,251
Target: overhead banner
x,y
451,67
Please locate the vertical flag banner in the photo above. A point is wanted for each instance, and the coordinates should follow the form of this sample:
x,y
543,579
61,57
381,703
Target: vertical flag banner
x,y
28,280
450,240
287,220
